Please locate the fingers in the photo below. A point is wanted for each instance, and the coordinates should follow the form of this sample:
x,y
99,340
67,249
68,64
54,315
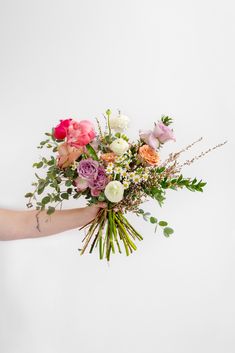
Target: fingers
x,y
102,204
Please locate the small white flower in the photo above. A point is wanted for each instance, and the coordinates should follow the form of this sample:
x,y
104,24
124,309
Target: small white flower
x,y
131,175
145,176
114,191
126,184
119,146
119,123
109,168
110,165
118,170
123,173
119,159
136,178
75,165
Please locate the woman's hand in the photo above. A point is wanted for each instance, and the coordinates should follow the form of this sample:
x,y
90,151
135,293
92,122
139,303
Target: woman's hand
x,y
90,212
31,224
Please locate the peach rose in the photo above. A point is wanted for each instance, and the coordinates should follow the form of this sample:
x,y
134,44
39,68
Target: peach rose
x,y
149,155
68,154
108,157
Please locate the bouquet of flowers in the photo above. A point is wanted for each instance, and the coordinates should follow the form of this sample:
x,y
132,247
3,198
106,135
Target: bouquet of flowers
x,y
105,166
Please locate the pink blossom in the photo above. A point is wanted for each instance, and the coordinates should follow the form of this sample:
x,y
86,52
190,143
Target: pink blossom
x,y
60,131
80,133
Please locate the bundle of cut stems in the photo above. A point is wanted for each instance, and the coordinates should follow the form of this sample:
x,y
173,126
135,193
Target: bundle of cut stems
x,y
108,231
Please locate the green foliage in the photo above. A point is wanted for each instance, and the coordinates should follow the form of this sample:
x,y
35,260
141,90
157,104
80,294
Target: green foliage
x,y
64,196
50,210
163,223
153,220
92,152
166,120
46,200
29,194
167,231
157,193
181,182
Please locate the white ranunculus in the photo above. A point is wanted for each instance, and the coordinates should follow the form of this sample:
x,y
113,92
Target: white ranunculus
x,y
114,191
119,123
119,146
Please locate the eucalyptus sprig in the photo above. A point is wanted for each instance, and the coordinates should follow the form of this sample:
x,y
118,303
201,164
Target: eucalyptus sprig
x,y
167,231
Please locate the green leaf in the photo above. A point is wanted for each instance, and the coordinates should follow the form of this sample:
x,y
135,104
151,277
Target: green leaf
x,y
166,120
38,165
101,198
68,183
45,200
168,231
92,152
163,223
65,196
29,194
50,210
153,220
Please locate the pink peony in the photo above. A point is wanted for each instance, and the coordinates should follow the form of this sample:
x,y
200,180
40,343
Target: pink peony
x,y
60,131
80,133
163,133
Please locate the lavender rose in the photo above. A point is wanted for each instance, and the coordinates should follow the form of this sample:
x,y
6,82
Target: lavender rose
x,y
100,181
163,133
160,134
88,169
149,138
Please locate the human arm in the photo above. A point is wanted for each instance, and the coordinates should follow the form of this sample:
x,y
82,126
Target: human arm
x,y
31,224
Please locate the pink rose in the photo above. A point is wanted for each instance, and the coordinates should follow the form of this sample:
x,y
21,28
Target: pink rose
x,y
67,155
80,133
81,184
163,133
60,131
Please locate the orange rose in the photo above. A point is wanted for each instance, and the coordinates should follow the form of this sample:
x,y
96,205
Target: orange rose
x,y
108,157
149,155
68,154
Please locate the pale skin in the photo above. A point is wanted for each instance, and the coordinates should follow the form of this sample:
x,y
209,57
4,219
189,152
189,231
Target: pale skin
x,y
24,224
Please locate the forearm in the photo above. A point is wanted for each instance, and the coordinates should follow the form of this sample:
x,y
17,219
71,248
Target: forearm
x,y
30,224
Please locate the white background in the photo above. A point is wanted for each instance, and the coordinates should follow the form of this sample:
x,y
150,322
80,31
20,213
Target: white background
x,y
77,58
